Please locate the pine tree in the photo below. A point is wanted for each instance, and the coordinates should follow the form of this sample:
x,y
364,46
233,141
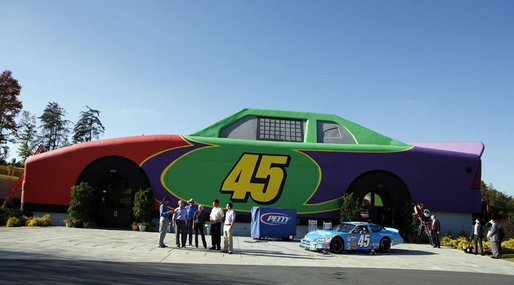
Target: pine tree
x,y
26,135
88,127
54,127
10,106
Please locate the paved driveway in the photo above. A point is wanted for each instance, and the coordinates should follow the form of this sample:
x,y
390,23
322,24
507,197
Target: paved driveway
x,y
93,246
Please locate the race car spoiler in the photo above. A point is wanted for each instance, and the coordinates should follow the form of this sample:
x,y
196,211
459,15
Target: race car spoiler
x,y
476,148
391,229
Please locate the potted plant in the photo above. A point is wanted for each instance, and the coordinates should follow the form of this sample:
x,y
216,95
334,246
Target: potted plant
x,y
142,226
69,222
135,226
82,204
143,207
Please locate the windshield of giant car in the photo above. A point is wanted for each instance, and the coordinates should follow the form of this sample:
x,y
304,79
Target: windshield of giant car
x,y
345,228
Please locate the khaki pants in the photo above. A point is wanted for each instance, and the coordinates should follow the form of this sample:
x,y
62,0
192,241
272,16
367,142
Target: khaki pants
x,y
227,238
164,224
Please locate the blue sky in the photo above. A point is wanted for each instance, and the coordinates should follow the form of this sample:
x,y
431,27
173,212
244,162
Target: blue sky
x,y
412,70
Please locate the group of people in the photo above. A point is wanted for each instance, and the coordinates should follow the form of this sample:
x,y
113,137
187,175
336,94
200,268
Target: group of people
x,y
495,234
186,219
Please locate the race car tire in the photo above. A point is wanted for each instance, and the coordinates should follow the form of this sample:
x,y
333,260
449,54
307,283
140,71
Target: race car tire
x,y
385,245
290,237
337,245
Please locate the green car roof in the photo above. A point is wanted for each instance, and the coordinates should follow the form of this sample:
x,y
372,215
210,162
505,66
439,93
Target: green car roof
x,y
361,134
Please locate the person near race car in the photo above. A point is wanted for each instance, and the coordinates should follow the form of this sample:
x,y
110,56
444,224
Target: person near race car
x,y
435,230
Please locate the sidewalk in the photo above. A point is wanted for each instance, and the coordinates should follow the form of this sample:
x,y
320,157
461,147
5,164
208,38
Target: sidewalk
x,y
129,246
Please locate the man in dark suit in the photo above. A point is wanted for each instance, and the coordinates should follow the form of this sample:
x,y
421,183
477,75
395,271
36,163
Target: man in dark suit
x,y
435,230
477,236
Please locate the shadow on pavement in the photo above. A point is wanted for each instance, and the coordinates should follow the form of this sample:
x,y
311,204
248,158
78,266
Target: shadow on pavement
x,y
97,272
270,253
47,271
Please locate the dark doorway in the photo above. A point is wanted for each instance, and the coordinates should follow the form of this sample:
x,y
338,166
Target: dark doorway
x,y
376,208
116,181
115,202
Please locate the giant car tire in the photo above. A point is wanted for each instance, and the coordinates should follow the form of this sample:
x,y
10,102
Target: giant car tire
x,y
337,245
385,245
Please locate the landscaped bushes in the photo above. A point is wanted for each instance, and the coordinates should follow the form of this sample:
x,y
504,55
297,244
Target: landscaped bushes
x,y
463,242
29,221
6,213
39,222
16,222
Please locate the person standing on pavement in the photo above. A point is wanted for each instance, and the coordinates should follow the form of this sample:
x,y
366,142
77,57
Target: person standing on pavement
x,y
199,219
216,218
493,236
501,237
228,229
190,209
179,223
435,230
164,221
477,236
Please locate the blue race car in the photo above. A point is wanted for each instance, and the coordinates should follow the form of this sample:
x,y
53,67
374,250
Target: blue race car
x,y
352,236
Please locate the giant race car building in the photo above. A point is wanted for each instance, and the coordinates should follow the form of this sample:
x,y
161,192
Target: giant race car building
x,y
295,160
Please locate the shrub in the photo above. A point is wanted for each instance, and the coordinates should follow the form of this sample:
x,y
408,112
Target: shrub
x,y
13,222
16,221
350,209
408,223
39,222
509,244
446,241
6,213
83,202
143,205
462,242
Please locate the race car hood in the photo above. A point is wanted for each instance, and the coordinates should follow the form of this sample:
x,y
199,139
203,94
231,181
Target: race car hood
x,y
320,234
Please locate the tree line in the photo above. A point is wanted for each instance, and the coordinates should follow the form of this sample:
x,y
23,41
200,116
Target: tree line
x,y
51,128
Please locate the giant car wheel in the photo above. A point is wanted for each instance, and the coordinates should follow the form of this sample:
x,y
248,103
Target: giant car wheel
x,y
385,245
337,245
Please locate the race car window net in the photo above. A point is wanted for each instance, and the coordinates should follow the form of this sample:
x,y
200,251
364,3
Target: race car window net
x,y
280,129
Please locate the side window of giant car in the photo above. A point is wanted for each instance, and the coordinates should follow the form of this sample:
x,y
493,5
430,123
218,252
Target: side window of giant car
x,y
265,129
330,132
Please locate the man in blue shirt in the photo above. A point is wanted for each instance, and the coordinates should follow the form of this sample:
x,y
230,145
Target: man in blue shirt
x,y
190,209
179,223
164,221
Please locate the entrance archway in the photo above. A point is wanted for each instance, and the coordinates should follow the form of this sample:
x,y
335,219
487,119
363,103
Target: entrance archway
x,y
115,180
386,193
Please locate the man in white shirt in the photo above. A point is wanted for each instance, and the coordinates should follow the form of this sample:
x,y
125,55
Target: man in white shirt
x,y
216,218
230,219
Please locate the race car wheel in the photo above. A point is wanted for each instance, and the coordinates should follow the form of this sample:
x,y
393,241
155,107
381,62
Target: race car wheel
x,y
337,245
385,245
290,237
